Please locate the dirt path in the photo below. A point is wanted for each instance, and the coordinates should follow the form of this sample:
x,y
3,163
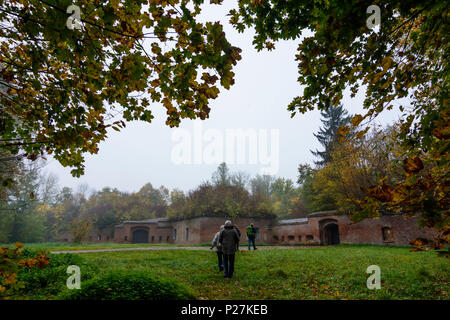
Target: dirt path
x,y
167,248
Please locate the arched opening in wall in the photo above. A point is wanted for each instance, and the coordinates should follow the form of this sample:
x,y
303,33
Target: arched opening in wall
x,y
387,234
140,235
331,231
275,238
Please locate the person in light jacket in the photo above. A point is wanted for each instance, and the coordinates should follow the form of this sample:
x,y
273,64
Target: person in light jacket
x,y
218,245
229,239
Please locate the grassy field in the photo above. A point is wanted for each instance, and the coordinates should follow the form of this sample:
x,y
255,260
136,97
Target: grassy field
x,y
64,246
335,272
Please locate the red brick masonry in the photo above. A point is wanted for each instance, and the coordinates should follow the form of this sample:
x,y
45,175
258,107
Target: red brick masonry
x,y
317,228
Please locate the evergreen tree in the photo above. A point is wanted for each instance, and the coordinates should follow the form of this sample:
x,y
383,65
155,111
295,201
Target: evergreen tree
x,y
221,177
332,119
239,179
262,185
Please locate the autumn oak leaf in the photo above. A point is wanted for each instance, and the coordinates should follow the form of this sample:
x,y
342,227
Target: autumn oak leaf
x,y
412,165
356,120
270,46
383,192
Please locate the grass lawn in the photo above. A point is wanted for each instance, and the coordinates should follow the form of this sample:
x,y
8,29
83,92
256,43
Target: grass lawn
x,y
334,272
64,246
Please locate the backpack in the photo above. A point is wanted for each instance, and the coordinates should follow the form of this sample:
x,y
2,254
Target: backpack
x,y
250,231
218,244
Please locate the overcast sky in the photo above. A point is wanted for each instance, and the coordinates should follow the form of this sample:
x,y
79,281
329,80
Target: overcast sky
x,y
265,84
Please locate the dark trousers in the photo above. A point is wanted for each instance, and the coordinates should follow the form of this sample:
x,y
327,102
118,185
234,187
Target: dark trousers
x,y
251,240
220,259
228,263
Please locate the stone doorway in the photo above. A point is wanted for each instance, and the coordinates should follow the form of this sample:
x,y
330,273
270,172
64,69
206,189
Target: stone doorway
x,y
140,236
329,232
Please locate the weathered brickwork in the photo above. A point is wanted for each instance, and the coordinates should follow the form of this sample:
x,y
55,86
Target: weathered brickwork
x,y
95,235
321,228
157,231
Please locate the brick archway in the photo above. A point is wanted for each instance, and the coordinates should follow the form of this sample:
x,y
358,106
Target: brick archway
x,y
140,235
329,232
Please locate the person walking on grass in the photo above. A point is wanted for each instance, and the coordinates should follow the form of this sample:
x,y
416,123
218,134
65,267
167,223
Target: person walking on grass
x,y
229,239
218,245
251,234
235,226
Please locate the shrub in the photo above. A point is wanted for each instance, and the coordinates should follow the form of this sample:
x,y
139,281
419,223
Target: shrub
x,y
128,285
51,279
11,261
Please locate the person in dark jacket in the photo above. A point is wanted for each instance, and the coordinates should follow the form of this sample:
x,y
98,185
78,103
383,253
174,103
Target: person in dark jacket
x,y
218,245
229,239
237,230
239,234
251,235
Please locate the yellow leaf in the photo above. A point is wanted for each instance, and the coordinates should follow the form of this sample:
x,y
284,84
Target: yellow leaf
x,y
362,133
18,245
270,45
356,120
386,63
412,164
385,85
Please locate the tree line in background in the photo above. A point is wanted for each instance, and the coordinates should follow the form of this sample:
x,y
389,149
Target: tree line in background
x,y
236,194
34,208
